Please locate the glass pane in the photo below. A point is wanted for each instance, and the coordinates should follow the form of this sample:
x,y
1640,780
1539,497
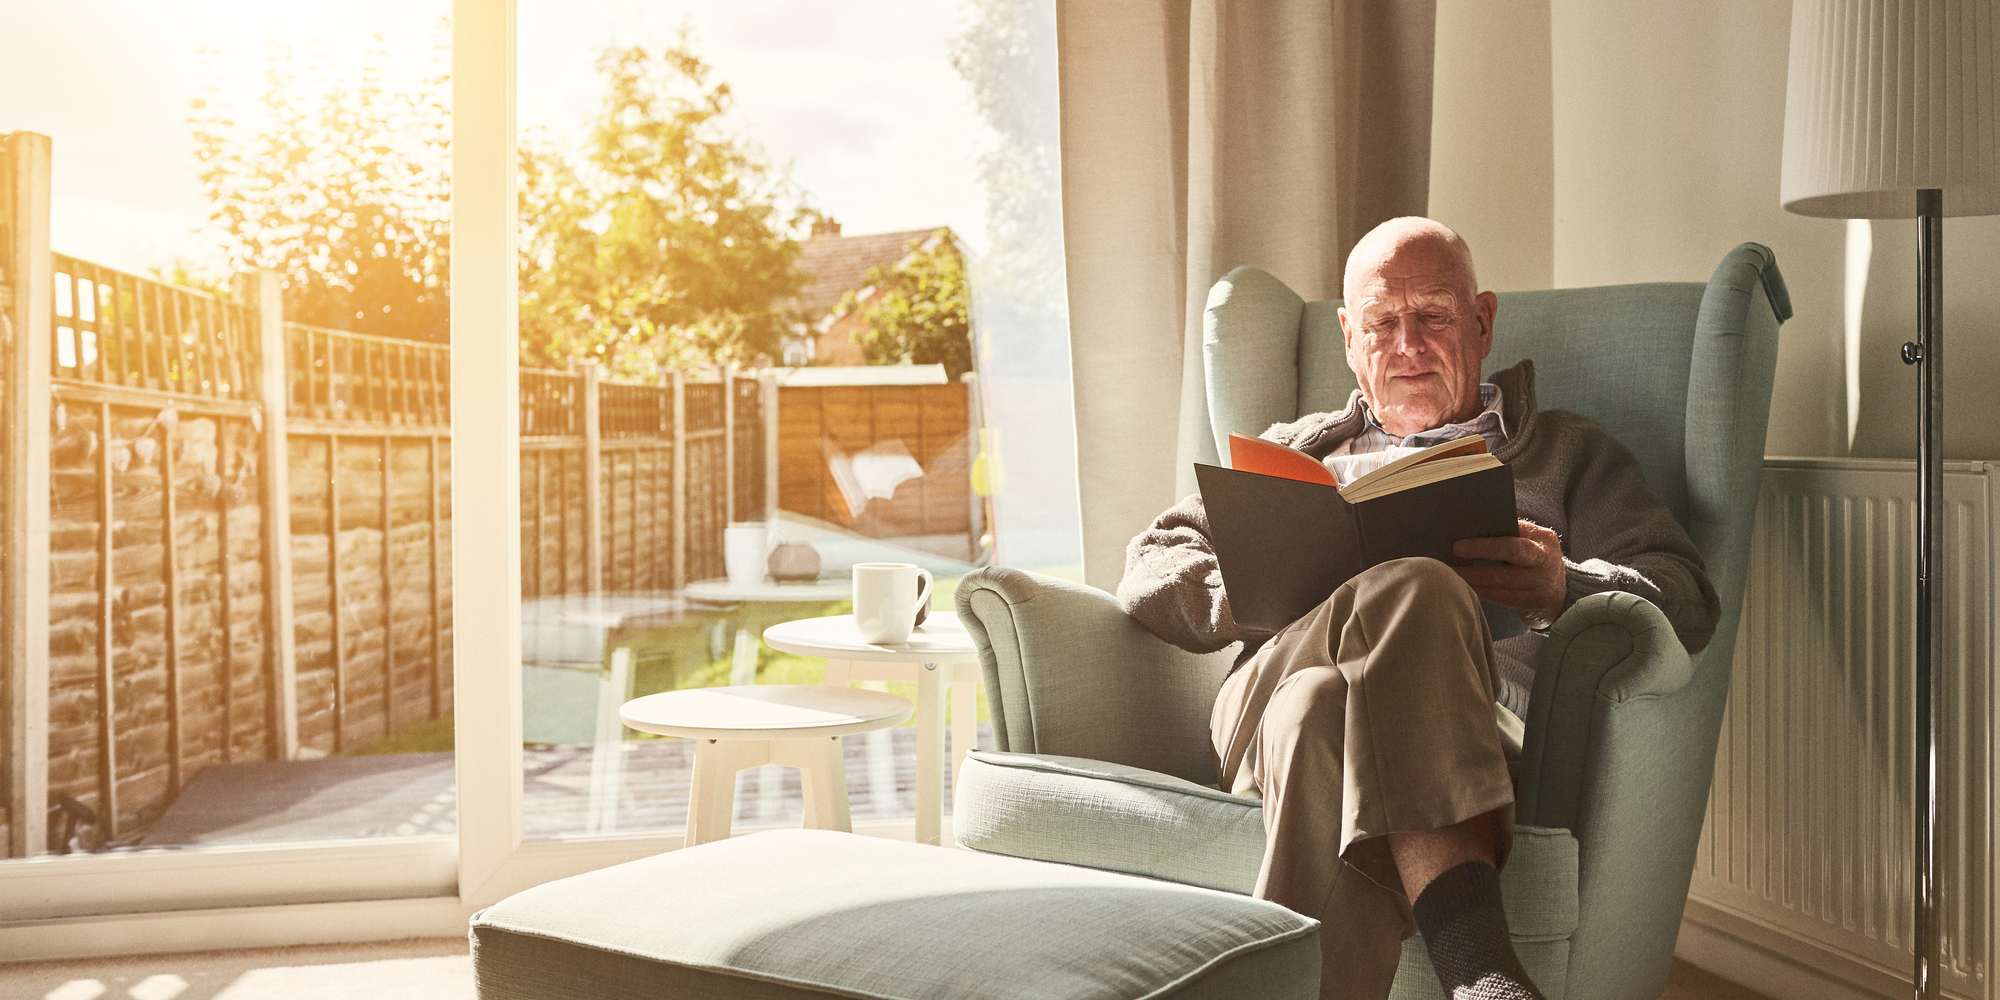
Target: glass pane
x,y
796,270
248,603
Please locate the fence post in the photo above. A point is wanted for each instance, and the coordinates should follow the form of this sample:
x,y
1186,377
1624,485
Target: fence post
x,y
767,411
593,481
680,480
29,334
262,295
728,444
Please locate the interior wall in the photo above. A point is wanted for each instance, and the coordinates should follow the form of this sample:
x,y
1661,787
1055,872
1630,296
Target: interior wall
x,y
1667,130
1491,147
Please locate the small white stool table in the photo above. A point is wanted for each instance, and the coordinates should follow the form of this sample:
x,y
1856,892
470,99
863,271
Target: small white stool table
x,y
939,655
797,725
721,590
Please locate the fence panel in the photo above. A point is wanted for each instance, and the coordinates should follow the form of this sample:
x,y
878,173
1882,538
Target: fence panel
x,y
823,429
156,632
119,329
706,471
749,431
361,379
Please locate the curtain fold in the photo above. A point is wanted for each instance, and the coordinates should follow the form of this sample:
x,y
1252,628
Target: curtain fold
x,y
1199,135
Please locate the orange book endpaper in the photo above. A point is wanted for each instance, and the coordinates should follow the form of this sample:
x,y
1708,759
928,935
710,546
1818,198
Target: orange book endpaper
x,y
1269,458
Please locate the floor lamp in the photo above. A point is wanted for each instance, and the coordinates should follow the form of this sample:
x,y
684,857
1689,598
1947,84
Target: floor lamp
x,y
1892,109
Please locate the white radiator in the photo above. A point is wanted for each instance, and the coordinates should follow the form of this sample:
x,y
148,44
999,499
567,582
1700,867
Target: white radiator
x,y
1803,880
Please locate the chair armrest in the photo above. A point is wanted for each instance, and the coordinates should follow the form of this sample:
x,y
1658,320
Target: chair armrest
x,y
1068,672
1609,652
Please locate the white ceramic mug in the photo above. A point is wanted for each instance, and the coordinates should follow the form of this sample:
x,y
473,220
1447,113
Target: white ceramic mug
x,y
744,545
886,598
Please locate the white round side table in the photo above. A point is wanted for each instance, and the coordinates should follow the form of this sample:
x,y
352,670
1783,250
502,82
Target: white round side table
x,y
938,656
796,725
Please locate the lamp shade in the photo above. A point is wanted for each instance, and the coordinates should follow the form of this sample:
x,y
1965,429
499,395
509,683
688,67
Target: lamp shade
x,y
1888,97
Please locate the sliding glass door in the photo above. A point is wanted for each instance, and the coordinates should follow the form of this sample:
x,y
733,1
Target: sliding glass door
x,y
228,504
385,381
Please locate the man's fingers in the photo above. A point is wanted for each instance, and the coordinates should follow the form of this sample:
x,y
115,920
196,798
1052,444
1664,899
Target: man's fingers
x,y
1530,529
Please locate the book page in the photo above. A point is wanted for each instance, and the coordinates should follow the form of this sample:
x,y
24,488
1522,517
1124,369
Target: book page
x,y
1414,476
1468,445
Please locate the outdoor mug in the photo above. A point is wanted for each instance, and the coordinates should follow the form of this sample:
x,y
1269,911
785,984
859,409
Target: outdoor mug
x,y
886,598
743,544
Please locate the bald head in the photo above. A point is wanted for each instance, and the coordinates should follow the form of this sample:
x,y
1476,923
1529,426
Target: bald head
x,y
1415,325
1408,234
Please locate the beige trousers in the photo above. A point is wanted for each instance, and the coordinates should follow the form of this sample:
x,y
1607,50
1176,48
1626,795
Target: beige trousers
x,y
1372,714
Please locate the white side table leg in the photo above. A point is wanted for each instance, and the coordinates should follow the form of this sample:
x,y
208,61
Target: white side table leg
x,y
712,799
607,758
964,723
743,661
823,778
837,673
930,753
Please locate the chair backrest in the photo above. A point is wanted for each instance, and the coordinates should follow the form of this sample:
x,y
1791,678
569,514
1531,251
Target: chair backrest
x,y
1680,372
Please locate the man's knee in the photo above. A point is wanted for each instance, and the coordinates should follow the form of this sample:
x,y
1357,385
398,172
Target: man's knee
x,y
1310,704
1417,582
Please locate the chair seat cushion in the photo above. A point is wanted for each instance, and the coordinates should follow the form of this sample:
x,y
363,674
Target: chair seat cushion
x,y
1079,811
813,913
1111,816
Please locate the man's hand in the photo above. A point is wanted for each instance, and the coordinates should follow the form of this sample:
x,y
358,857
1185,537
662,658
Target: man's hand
x,y
1524,573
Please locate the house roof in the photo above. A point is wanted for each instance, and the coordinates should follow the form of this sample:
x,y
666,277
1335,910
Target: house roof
x,y
835,265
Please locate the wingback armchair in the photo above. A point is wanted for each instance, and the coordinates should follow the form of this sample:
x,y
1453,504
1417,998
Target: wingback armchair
x,y
1103,756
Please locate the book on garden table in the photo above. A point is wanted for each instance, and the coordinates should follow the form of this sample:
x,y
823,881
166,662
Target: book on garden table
x,y
1286,532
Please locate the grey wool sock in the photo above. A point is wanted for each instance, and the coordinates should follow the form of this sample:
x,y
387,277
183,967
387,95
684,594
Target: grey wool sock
x,y
1466,933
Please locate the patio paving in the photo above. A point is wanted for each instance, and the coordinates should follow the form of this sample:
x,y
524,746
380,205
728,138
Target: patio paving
x,y
390,795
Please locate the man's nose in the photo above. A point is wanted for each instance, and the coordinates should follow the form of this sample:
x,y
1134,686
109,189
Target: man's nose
x,y
1409,334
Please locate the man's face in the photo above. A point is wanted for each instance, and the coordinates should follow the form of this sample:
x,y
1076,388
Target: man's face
x,y
1416,332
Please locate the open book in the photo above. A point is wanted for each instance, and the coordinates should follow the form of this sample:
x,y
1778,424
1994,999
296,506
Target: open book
x,y
1286,533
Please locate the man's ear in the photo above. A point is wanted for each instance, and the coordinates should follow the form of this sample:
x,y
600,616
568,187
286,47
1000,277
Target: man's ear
x,y
1340,313
1489,307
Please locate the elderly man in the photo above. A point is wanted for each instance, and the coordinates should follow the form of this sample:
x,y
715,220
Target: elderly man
x,y
1377,727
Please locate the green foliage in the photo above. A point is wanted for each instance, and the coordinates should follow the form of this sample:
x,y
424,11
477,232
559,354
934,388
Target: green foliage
x,y
921,309
665,242
346,192
668,242
1007,55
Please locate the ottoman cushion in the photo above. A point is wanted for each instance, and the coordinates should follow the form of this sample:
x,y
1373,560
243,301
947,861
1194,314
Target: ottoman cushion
x,y
813,913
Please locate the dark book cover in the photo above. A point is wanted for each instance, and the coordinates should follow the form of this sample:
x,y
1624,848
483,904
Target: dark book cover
x,y
1284,545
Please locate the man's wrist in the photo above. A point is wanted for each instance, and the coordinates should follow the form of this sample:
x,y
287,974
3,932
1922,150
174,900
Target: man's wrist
x,y
1540,619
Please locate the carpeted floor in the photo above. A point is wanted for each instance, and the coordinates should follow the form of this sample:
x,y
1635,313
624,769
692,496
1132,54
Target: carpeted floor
x,y
428,969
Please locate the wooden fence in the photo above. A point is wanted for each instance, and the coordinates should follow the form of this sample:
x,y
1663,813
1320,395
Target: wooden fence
x,y
245,551
823,427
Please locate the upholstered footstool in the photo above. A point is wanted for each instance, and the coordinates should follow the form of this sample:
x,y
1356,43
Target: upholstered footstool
x,y
815,913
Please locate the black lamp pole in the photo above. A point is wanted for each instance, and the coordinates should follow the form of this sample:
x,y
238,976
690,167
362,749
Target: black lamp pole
x,y
1928,355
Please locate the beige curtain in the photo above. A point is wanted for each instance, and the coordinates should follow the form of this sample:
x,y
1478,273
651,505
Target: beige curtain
x,y
1197,136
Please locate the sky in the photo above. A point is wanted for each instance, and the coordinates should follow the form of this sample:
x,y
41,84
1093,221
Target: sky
x,y
857,99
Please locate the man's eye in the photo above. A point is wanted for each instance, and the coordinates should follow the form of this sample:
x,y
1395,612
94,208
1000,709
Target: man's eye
x,y
1438,319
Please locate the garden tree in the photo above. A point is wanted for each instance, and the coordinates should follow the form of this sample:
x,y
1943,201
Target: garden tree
x,y
921,308
664,242
344,191
1006,55
668,243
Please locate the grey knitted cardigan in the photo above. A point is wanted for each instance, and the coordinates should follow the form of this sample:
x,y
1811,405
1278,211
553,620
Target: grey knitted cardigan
x,y
1569,474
